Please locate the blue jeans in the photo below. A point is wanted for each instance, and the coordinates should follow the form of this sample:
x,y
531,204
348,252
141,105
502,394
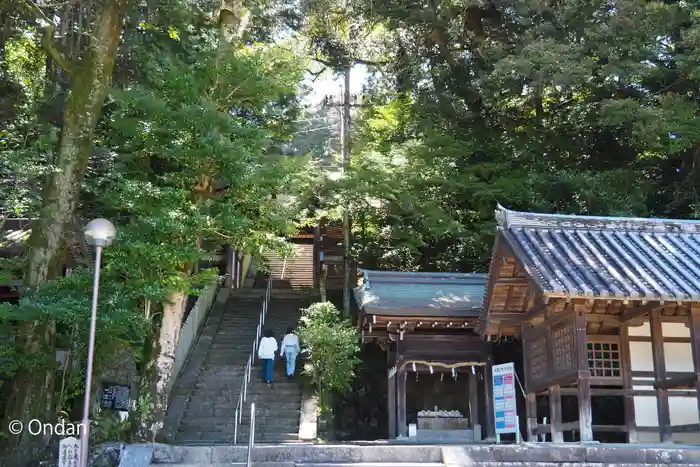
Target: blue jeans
x,y
290,355
266,367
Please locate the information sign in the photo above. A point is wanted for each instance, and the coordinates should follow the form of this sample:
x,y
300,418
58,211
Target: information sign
x,y
69,452
505,410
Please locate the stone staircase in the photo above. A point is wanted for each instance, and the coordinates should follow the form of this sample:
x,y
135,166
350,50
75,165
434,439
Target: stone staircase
x,y
203,402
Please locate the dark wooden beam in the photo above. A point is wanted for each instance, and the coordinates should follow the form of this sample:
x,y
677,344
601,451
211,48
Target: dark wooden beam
x,y
473,400
555,414
401,424
585,409
490,427
513,281
531,414
639,312
658,356
391,396
628,401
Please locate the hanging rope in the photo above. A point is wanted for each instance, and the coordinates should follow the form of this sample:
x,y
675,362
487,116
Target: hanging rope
x,y
440,364
453,367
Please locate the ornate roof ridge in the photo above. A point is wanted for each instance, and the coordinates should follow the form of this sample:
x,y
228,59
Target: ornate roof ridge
x,y
508,219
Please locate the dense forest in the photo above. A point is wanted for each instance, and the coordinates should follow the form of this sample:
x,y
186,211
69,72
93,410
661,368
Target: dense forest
x,y
184,123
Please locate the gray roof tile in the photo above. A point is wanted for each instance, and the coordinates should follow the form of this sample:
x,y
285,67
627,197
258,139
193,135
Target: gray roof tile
x,y
646,259
421,294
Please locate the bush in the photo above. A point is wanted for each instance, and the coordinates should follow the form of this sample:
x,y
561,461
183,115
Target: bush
x,y
332,343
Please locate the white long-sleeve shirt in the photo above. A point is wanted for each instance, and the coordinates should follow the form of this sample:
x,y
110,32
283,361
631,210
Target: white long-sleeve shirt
x,y
267,348
290,340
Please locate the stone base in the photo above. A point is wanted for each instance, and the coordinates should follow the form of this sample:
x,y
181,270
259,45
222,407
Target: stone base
x,y
525,455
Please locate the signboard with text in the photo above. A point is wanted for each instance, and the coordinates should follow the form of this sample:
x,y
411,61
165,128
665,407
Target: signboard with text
x,y
69,452
505,410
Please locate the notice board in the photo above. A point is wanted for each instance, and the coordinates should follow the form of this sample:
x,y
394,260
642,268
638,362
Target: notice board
x,y
505,409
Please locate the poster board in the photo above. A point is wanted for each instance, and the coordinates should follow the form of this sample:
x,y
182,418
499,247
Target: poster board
x,y
115,397
505,409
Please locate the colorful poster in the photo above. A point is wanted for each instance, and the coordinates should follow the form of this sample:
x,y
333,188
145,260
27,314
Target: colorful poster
x,y
504,408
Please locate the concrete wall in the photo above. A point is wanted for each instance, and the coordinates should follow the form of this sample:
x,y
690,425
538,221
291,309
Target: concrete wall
x,y
190,330
684,410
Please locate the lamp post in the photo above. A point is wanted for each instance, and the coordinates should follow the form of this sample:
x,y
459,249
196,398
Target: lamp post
x,y
99,233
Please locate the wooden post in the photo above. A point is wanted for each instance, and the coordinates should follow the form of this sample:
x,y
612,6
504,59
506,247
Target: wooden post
x,y
694,326
585,410
473,400
229,256
658,355
490,427
531,398
401,423
555,414
391,397
531,414
630,418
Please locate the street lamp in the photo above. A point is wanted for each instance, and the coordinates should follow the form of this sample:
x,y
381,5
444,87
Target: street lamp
x,y
99,233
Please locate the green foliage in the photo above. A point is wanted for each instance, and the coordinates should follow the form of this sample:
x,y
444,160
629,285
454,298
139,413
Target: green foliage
x,y
107,426
333,344
579,108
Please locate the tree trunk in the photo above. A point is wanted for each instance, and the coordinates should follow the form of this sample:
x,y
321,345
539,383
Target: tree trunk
x,y
156,382
33,391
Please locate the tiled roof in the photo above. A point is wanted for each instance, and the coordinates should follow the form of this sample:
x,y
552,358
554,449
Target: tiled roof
x,y
647,259
424,294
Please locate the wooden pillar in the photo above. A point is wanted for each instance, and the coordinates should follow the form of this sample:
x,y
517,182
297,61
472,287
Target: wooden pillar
x,y
555,414
229,257
694,326
473,400
531,414
630,418
531,398
585,410
490,428
658,355
391,397
401,424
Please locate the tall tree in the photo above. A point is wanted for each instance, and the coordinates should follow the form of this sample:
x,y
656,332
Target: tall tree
x,y
33,392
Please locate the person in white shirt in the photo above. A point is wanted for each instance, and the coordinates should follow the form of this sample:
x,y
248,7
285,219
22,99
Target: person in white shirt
x,y
266,354
290,350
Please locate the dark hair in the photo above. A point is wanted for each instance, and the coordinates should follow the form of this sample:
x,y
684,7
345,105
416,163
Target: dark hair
x,y
269,333
290,330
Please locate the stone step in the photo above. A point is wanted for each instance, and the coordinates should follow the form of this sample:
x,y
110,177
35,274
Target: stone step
x,y
194,410
221,391
222,431
304,453
226,438
219,423
261,405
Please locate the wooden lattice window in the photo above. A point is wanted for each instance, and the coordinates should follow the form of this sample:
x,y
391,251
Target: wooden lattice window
x,y
604,359
537,353
564,348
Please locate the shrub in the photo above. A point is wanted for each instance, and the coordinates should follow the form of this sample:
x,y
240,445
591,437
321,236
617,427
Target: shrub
x,y
332,343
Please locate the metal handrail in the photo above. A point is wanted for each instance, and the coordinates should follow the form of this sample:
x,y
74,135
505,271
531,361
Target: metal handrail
x,y
251,435
243,395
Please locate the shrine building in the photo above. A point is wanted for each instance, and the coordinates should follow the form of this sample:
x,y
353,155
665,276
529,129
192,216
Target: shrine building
x,y
606,315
